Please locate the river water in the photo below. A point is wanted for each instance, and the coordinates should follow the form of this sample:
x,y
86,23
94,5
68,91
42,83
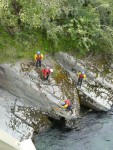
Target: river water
x,y
94,131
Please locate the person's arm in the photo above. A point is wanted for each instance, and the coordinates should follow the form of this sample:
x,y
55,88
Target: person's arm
x,y
42,57
84,77
78,73
65,106
45,73
49,71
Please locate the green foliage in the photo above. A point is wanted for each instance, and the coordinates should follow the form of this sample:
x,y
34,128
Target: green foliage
x,y
105,42
84,30
20,46
81,26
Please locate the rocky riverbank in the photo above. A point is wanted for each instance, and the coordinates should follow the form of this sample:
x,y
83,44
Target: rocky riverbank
x,y
97,90
27,100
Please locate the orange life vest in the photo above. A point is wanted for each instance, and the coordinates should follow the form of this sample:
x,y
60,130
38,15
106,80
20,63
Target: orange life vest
x,y
39,57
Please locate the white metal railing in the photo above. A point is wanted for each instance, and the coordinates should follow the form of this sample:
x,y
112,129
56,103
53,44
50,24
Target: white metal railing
x,y
7,142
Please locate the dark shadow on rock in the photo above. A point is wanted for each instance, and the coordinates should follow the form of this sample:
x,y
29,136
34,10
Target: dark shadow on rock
x,y
58,123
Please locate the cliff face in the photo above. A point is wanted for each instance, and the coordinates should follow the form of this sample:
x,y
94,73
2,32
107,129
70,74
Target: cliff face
x,y
23,81
30,94
97,90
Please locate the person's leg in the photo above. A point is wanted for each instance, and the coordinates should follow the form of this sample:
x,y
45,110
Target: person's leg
x,y
78,83
81,82
71,111
39,63
69,108
47,76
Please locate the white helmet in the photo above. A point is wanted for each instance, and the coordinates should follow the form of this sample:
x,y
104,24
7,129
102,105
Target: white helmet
x,y
83,72
63,103
38,52
51,70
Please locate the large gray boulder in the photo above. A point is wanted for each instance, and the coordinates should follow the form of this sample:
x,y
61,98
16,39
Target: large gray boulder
x,y
96,91
25,82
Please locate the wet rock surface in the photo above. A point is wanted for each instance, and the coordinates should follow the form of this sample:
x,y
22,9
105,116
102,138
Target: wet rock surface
x,y
18,120
25,83
30,100
97,90
27,100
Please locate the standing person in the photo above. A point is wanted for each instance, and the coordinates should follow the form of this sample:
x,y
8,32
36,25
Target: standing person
x,y
38,59
81,77
46,72
67,105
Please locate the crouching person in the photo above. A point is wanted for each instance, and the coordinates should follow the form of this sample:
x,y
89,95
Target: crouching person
x,y
46,72
67,105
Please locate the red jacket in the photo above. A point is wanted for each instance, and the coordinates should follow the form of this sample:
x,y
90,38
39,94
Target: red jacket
x,y
81,76
46,72
67,102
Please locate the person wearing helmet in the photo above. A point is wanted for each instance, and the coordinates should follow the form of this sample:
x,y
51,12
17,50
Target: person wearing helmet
x,y
38,58
67,105
81,77
46,72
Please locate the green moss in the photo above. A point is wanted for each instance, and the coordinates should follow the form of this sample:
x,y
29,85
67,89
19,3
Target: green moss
x,y
59,75
67,85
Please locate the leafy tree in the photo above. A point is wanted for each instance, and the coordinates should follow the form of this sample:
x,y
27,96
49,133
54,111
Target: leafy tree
x,y
82,24
84,29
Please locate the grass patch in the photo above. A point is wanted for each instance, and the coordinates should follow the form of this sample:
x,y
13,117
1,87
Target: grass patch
x,y
22,45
